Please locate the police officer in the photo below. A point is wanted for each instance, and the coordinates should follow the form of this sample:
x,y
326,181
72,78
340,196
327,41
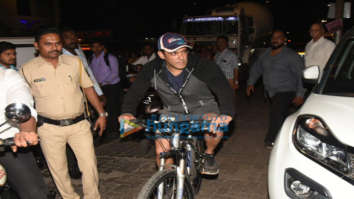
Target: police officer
x,y
55,81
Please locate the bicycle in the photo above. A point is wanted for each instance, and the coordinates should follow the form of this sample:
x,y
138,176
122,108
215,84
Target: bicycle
x,y
183,178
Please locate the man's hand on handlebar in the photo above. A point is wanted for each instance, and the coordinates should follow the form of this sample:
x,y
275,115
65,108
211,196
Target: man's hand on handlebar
x,y
24,139
217,121
126,116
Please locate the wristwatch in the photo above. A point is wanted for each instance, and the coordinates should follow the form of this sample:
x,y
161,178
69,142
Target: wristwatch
x,y
105,114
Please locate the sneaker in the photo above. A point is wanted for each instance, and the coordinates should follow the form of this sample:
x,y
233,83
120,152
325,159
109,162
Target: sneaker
x,y
210,166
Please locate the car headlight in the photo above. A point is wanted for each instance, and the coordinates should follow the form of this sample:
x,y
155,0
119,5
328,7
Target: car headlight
x,y
313,138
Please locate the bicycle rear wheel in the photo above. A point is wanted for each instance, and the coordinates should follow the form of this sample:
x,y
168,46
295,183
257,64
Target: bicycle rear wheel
x,y
167,178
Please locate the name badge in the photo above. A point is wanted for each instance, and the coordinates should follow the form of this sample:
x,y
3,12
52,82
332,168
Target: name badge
x,y
39,80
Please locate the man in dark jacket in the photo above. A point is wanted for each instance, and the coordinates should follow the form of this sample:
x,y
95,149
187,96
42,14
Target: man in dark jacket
x,y
189,87
281,68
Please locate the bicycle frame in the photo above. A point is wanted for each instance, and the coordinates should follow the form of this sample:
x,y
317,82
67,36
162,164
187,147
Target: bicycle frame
x,y
185,152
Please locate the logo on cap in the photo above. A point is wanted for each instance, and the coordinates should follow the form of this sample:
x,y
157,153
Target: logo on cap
x,y
173,40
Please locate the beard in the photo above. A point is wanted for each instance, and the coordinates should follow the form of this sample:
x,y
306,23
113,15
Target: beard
x,y
274,46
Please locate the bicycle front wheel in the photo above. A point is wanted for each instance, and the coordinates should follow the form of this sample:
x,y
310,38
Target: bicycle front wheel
x,y
163,185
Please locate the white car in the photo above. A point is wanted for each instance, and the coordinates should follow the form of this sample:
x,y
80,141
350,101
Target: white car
x,y
313,156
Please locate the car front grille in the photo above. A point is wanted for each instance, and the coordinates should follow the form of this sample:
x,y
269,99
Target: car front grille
x,y
351,165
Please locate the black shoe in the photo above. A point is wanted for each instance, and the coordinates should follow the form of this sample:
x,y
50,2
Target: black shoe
x,y
210,166
268,144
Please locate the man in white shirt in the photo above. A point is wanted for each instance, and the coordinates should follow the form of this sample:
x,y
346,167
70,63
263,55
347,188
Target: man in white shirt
x,y
21,168
227,61
149,55
71,47
319,49
7,55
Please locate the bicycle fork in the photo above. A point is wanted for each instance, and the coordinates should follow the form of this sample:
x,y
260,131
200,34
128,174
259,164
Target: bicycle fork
x,y
180,179
160,188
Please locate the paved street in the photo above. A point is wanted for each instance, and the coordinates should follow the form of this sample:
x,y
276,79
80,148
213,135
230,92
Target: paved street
x,y
243,159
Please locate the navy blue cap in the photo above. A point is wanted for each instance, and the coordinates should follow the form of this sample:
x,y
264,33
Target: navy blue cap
x,y
171,42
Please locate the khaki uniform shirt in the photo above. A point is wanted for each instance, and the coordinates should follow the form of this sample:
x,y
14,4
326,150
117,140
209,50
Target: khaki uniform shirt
x,y
56,91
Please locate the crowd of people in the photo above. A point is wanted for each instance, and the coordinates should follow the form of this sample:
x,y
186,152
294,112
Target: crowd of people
x,y
62,82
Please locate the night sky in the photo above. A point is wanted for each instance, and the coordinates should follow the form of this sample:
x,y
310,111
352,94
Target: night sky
x,y
139,19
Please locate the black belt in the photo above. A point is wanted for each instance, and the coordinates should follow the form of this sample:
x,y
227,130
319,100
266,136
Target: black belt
x,y
65,122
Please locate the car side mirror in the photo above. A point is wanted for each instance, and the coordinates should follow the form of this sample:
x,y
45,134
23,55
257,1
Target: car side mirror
x,y
311,74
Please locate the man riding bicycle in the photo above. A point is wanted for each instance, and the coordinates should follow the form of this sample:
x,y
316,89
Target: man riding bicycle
x,y
189,87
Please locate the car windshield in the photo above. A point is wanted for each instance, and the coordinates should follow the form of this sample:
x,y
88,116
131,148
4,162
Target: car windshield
x,y
339,76
209,25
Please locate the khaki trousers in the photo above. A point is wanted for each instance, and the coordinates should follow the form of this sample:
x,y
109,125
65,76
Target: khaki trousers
x,y
53,143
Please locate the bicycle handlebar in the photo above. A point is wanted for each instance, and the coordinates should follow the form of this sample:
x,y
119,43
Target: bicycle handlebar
x,y
166,127
170,126
7,142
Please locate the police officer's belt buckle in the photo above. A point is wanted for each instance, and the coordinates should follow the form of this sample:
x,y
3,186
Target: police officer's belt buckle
x,y
66,122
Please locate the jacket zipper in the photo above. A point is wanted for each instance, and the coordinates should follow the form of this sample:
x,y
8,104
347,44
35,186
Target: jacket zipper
x,y
178,94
